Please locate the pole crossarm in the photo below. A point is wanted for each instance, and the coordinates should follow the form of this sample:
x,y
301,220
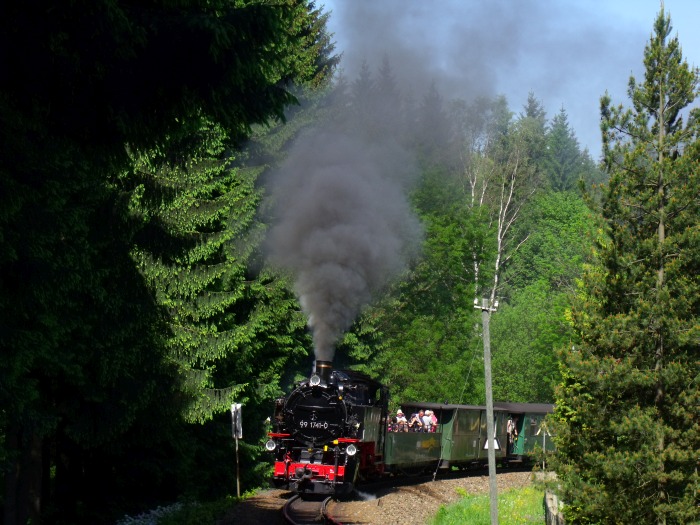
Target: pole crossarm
x,y
485,305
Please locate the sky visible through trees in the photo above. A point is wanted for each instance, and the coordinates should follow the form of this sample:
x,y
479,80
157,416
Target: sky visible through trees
x,y
568,53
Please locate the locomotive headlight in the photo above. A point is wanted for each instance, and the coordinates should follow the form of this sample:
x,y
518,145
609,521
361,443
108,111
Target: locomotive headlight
x,y
270,445
315,380
351,450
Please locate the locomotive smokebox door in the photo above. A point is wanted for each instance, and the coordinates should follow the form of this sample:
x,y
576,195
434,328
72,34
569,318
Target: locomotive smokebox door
x,y
314,412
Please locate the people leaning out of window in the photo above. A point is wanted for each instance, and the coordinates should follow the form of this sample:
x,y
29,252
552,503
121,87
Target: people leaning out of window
x,y
401,422
421,421
415,423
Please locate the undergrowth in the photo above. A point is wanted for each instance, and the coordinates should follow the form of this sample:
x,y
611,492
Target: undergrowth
x,y
515,507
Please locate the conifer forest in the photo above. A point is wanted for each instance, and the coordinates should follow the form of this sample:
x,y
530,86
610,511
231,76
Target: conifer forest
x,y
195,200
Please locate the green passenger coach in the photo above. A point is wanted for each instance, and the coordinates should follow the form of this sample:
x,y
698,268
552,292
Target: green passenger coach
x,y
529,422
464,440
459,439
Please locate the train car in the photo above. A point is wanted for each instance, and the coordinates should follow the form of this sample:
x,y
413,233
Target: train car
x,y
528,420
413,452
333,431
458,441
329,432
464,442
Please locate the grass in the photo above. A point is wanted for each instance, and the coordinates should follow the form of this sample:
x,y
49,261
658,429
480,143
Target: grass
x,y
515,507
199,513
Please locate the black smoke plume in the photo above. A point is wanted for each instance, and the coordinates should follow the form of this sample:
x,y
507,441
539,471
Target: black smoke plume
x,y
342,225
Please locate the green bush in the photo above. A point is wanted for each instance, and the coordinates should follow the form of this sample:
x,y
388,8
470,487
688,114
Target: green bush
x,y
208,513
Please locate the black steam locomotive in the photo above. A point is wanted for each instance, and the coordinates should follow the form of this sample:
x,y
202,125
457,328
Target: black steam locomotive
x,y
334,431
329,431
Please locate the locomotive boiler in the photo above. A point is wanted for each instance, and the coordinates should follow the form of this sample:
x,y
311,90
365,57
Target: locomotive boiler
x,y
328,432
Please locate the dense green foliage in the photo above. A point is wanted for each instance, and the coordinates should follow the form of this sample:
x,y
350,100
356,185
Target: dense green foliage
x,y
540,283
492,223
628,408
92,391
198,216
136,303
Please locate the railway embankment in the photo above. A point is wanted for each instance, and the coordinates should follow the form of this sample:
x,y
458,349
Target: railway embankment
x,y
402,505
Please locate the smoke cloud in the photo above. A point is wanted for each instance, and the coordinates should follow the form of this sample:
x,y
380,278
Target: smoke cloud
x,y
343,227
341,221
567,52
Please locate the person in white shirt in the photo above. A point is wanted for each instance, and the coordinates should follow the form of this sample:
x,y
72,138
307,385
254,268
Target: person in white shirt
x,y
401,422
427,421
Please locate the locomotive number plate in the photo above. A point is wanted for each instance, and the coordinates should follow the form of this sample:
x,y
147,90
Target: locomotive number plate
x,y
314,424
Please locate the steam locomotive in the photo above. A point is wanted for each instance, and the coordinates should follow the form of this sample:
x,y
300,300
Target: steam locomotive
x,y
333,432
329,431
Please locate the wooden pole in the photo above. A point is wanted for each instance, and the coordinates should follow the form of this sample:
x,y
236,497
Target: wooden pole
x,y
486,309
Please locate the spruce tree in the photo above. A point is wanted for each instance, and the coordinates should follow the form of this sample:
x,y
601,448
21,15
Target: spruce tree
x,y
628,409
362,97
534,109
563,161
388,101
533,123
82,377
193,249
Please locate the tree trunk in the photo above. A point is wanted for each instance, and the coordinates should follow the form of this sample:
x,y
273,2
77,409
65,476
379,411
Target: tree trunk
x,y
661,520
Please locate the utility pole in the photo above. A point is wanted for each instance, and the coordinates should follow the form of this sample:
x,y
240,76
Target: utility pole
x,y
486,310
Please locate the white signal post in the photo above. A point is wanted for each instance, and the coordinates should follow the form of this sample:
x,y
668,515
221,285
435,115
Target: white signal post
x,y
486,310
237,431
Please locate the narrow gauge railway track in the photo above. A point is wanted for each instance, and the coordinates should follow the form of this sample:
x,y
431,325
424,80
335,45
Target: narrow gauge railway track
x,y
298,511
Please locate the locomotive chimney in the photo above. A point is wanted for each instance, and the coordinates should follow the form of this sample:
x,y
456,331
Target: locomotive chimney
x,y
324,369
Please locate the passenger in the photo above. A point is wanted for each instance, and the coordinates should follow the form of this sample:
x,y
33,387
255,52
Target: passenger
x,y
512,431
416,422
433,422
427,421
401,422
